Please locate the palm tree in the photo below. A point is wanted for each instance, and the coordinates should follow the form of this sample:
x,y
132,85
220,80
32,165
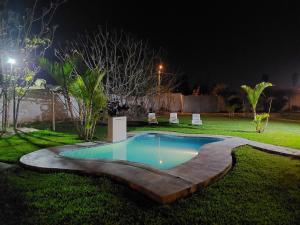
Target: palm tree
x,y
86,88
253,94
88,91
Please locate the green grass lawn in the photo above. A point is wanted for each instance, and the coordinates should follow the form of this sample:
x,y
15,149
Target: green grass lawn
x,y
13,147
261,189
282,133
278,132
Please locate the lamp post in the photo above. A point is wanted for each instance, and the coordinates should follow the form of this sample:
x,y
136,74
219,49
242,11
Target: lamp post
x,y
12,62
160,68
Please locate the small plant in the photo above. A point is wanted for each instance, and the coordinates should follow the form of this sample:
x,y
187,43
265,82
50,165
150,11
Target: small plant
x,y
260,123
253,95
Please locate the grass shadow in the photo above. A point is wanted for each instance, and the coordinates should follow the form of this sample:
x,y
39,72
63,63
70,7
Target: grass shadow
x,y
13,207
29,137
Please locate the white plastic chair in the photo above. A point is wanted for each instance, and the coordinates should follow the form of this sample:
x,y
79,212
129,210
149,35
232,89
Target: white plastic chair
x,y
196,120
173,118
152,118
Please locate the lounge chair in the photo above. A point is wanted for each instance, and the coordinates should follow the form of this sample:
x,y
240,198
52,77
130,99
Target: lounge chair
x,y
152,118
196,119
173,118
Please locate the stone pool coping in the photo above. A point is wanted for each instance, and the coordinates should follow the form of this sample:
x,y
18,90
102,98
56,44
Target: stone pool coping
x,y
162,186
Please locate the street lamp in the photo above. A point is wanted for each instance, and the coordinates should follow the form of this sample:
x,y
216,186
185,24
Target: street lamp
x,y
160,68
11,61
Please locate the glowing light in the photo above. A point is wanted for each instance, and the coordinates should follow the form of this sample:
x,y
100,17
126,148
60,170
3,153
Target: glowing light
x,y
160,161
11,61
160,67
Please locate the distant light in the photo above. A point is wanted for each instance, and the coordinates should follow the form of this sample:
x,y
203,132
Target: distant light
x,y
160,67
11,61
160,161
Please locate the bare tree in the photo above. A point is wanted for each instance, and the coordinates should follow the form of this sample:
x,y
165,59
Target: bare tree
x,y
23,38
129,63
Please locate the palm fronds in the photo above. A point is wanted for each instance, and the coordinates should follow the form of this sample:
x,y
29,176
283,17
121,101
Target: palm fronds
x,y
253,95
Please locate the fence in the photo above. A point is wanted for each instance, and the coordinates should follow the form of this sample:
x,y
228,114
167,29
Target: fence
x,y
37,105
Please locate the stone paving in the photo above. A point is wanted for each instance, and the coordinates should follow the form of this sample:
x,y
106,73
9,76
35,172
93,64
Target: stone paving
x,y
162,186
5,166
275,149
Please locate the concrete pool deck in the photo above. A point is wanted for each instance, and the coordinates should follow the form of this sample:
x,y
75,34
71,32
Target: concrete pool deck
x,y
6,166
162,186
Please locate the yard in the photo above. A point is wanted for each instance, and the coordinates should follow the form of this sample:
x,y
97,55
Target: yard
x,y
82,65
279,132
260,189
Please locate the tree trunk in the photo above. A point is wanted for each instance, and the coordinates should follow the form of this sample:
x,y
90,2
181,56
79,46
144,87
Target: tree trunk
x,y
70,106
254,113
53,111
14,109
16,115
4,111
269,111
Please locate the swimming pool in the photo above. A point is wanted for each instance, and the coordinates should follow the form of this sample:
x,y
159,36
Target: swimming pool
x,y
160,151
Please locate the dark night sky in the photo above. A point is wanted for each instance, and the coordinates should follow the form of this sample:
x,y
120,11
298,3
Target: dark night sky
x,y
232,43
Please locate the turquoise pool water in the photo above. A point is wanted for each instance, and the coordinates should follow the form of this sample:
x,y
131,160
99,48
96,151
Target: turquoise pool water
x,y
157,150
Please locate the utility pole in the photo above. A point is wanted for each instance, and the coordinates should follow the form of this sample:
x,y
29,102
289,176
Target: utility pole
x,y
160,68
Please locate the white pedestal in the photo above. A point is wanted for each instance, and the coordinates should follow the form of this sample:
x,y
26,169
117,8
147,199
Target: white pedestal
x,y
117,129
